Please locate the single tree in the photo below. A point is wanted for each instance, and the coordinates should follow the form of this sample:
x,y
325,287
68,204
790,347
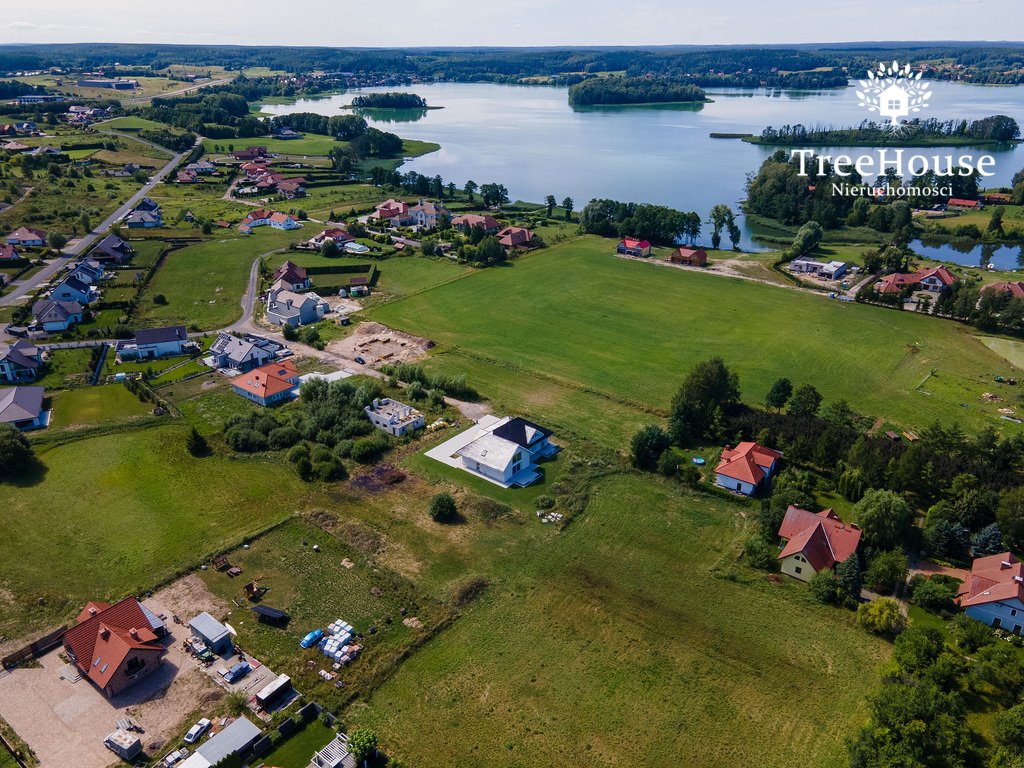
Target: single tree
x,y
823,587
362,743
697,407
196,443
567,206
779,394
882,616
988,541
849,578
16,455
470,188
806,401
647,447
442,508
887,572
550,202
886,519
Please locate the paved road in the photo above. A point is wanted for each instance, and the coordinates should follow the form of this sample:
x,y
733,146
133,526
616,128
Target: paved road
x,y
83,243
179,92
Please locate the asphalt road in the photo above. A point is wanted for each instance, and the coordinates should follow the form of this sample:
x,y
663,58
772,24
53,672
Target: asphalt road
x,y
83,243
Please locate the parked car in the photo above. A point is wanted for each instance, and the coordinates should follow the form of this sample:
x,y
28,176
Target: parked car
x,y
360,361
195,733
176,756
237,672
312,638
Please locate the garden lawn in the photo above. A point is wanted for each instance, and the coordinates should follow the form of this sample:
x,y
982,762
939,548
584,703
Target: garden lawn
x,y
117,514
297,750
66,366
629,332
617,644
91,406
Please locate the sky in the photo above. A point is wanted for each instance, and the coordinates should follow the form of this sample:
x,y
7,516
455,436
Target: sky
x,y
344,23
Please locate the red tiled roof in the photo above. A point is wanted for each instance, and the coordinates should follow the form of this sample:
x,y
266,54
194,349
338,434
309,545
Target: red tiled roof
x,y
268,380
993,578
102,641
280,217
292,272
941,272
1015,288
513,236
822,538
476,220
7,251
744,462
632,242
961,203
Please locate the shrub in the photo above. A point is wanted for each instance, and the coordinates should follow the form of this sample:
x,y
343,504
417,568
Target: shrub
x,y
669,464
245,439
283,437
330,468
934,594
760,554
304,467
647,446
442,508
887,572
300,451
366,450
882,617
823,587
160,299
544,502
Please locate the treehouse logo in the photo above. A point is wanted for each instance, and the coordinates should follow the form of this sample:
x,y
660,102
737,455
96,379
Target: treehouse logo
x,y
894,92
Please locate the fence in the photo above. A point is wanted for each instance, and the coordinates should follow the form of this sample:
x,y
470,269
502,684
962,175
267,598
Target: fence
x,y
36,649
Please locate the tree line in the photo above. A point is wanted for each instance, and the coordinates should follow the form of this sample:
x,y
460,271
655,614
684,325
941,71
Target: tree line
x,y
999,128
657,223
390,100
633,90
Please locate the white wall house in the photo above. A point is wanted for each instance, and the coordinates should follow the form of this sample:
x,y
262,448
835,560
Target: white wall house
x,y
393,417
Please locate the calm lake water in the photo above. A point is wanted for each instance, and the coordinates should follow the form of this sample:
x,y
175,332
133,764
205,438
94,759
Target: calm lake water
x,y
529,138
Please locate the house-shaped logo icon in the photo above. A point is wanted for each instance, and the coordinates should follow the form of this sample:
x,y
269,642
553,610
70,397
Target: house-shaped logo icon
x,y
894,91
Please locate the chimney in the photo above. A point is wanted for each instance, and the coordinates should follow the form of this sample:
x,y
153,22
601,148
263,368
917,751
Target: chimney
x,y
92,610
1004,565
134,633
104,633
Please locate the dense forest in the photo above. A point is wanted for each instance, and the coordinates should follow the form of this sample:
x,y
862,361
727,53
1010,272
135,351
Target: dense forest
x,y
633,90
995,128
791,66
391,100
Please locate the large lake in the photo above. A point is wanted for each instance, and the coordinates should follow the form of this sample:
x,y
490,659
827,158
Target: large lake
x,y
529,138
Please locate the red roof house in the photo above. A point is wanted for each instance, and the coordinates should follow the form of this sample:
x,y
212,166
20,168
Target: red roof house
x,y
691,257
116,645
956,202
745,467
994,592
515,237
631,246
815,542
268,384
1015,288
936,280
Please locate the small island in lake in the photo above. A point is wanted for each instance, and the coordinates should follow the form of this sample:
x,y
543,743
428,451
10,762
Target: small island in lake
x,y
608,91
988,131
390,100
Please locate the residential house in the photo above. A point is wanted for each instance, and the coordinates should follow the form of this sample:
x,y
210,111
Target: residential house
x,y
936,280
8,253
153,343
73,289
251,153
335,235
830,270
1001,198
393,212
994,592
291,189
148,205
258,217
1015,288
212,634
631,246
815,542
143,220
284,221
19,362
269,384
690,257
114,84
112,249
27,238
427,214
506,451
958,204
14,146
393,417
88,271
237,739
22,407
744,468
187,177
286,307
294,276
114,646
285,133
238,354
466,222
515,237
52,315
202,168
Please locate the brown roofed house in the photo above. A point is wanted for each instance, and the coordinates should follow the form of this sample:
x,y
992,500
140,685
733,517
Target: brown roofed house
x,y
690,257
815,542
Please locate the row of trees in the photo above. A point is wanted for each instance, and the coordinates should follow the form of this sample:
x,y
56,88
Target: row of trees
x,y
390,100
634,90
870,133
657,223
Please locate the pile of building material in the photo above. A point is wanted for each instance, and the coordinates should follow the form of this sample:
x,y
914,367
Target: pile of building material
x,y
338,645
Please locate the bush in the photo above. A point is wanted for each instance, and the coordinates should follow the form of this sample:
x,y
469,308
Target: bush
x,y
647,446
330,468
366,450
245,439
442,508
300,451
761,554
544,502
935,594
304,467
823,587
669,464
882,617
160,299
690,475
887,572
283,437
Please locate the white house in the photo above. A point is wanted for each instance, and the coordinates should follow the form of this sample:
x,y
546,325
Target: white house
x,y
284,221
394,417
52,315
29,238
504,451
229,351
427,214
152,343
286,307
744,468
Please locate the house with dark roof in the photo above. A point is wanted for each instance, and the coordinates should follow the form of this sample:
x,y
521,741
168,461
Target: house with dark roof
x,y
269,384
153,343
815,542
22,407
293,276
52,315
212,634
73,289
112,249
994,592
143,220
19,362
744,468
115,646
236,353
631,246
506,451
285,307
88,271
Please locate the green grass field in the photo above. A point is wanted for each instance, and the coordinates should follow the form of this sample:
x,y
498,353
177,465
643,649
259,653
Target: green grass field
x,y
628,332
309,144
66,366
297,750
92,406
134,124
115,514
616,644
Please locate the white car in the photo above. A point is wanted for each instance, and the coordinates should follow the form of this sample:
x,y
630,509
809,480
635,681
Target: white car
x,y
196,731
